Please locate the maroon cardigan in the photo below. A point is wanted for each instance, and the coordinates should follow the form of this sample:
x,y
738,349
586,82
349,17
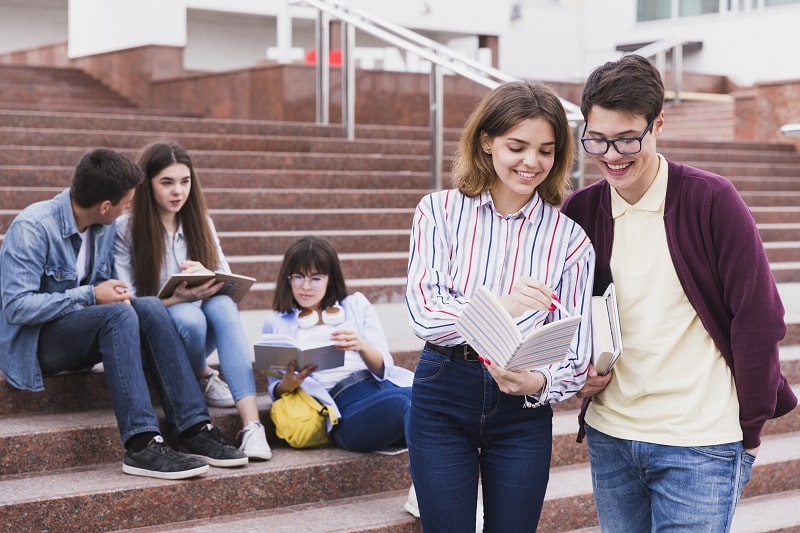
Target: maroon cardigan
x,y
723,268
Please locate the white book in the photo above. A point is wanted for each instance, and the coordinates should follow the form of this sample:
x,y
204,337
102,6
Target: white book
x,y
606,330
273,353
491,331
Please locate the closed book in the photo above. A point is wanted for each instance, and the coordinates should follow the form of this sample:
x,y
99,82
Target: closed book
x,y
492,332
606,332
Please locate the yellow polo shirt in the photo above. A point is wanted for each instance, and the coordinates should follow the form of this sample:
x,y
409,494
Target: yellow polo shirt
x,y
671,385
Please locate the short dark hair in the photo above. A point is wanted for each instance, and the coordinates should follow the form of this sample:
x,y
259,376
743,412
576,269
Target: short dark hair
x,y
308,255
103,174
631,85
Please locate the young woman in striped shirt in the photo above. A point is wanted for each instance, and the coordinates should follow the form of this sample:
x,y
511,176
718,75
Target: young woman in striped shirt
x,y
500,228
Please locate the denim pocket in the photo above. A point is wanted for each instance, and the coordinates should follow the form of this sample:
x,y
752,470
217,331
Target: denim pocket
x,y
429,366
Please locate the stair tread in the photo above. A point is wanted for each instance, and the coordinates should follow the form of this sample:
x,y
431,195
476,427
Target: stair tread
x,y
382,511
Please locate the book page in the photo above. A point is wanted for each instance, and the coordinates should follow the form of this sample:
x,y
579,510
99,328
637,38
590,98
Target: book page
x,y
488,328
493,333
546,344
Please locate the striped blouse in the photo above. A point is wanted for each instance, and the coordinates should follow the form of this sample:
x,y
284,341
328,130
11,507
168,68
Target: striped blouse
x,y
459,244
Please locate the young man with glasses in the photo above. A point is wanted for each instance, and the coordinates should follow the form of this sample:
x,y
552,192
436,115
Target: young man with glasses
x,y
674,429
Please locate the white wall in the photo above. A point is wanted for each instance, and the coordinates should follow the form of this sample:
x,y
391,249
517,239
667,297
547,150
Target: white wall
x,y
97,26
17,32
551,39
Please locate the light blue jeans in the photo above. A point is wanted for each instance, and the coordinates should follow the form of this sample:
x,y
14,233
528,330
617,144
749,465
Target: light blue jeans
x,y
461,425
216,325
641,487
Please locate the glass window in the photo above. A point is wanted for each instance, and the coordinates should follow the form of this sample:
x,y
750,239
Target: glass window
x,y
652,10
690,8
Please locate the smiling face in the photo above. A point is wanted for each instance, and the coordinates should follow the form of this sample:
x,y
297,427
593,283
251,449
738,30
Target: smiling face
x,y
632,174
171,188
522,158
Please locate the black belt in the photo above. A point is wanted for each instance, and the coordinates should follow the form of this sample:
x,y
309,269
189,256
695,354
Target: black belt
x,y
463,352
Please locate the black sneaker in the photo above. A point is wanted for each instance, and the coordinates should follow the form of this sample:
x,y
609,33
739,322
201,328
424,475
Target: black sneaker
x,y
209,444
160,461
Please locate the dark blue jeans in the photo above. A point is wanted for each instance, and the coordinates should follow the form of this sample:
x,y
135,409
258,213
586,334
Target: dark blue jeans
x,y
118,335
461,426
374,416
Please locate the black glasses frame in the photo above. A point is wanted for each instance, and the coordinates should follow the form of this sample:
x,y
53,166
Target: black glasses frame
x,y
613,142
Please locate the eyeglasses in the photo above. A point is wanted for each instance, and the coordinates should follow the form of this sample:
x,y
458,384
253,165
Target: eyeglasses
x,y
623,145
316,282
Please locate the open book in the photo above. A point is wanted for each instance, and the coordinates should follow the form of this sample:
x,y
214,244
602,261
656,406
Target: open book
x,y
605,330
274,352
492,332
236,286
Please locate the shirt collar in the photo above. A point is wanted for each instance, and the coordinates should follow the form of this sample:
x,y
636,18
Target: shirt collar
x,y
653,199
529,210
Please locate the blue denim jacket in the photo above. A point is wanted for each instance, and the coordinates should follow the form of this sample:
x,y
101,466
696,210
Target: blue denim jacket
x,y
39,281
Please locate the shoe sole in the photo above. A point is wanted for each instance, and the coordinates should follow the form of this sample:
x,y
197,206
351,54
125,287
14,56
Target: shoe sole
x,y
220,463
182,474
259,456
220,403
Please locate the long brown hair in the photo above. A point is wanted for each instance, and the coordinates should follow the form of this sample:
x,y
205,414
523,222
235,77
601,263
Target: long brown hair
x,y
146,229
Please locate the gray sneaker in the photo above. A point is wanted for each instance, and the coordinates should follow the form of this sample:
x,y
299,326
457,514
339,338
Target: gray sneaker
x,y
160,461
209,445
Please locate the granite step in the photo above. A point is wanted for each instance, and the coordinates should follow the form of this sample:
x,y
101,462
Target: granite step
x,y
375,513
237,178
344,241
299,220
210,141
63,500
137,121
222,198
66,156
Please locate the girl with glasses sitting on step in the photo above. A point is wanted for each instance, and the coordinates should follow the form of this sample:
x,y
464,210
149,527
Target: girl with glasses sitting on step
x,y
312,305
169,231
500,228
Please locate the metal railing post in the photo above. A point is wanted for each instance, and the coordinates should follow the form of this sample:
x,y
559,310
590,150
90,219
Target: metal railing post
x,y
348,81
437,125
677,71
322,67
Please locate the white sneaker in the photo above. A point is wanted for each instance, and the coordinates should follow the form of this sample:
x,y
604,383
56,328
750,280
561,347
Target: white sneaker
x,y
216,391
411,502
254,441
413,509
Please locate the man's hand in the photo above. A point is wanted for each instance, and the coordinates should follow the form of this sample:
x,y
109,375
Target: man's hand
x,y
595,383
111,291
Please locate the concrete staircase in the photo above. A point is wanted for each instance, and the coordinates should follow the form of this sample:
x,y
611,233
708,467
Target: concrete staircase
x,y
267,183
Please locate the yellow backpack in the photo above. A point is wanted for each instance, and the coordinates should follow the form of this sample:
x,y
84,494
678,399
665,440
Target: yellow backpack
x,y
301,420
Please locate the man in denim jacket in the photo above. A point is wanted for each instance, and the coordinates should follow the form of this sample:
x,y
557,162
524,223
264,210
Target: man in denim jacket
x,y
62,310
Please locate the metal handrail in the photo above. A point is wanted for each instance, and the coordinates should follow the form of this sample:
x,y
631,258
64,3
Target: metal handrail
x,y
441,58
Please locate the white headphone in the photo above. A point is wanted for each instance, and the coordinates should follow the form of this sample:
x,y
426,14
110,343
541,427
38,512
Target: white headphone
x,y
331,316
